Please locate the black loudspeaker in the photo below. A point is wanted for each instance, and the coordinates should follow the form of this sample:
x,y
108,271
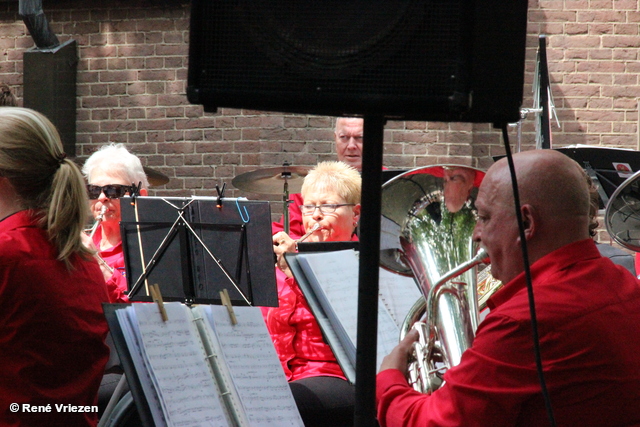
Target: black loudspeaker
x,y
439,60
50,88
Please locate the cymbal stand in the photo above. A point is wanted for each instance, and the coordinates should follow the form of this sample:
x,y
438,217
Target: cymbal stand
x,y
285,175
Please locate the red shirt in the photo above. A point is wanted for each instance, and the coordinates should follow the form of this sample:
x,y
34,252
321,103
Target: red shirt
x,y
52,328
588,313
114,257
297,336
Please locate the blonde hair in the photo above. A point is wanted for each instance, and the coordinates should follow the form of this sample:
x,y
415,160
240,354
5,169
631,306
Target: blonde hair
x,y
32,159
334,176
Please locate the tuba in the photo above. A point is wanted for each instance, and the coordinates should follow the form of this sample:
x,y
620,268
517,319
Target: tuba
x,y
428,217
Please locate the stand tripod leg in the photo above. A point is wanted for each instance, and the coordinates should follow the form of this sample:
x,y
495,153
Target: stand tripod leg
x,y
115,397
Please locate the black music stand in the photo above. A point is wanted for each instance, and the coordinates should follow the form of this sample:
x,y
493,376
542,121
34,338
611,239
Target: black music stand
x,y
608,168
193,248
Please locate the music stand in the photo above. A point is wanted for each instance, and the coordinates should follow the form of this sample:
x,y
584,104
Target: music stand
x,y
196,247
608,168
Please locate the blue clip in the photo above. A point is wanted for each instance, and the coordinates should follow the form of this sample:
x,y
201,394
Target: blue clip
x,y
240,212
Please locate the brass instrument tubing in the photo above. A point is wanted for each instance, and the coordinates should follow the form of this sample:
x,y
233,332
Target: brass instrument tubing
x,y
315,227
98,221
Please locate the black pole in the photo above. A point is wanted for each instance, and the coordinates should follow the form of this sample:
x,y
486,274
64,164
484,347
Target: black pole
x,y
543,87
36,22
365,406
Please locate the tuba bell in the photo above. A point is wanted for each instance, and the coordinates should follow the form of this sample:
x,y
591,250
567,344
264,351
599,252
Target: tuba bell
x,y
428,217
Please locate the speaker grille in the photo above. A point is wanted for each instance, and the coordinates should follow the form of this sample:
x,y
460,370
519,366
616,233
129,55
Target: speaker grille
x,y
333,57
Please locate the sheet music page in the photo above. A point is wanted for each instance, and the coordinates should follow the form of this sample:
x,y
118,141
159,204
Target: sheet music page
x,y
253,364
177,363
147,384
398,293
328,332
334,275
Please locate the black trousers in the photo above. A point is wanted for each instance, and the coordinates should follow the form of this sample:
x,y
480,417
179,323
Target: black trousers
x,y
324,401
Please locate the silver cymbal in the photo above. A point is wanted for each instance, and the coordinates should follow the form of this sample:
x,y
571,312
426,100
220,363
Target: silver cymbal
x,y
272,180
155,177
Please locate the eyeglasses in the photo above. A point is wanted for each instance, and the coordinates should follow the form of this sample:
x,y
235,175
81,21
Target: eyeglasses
x,y
112,191
325,209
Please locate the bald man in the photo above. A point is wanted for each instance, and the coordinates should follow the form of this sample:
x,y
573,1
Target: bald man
x,y
588,315
348,135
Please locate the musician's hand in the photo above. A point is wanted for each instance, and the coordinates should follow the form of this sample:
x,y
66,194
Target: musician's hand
x,y
87,242
399,356
282,243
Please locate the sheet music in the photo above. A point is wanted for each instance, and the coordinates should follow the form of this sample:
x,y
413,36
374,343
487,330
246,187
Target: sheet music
x,y
253,364
147,384
398,293
177,362
328,332
334,275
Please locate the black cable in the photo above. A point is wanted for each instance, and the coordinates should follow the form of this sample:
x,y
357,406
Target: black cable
x,y
527,272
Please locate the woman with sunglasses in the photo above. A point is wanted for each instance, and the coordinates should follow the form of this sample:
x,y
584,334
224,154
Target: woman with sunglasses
x,y
331,208
112,172
52,327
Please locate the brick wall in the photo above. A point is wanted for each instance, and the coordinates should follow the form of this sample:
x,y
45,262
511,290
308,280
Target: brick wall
x,y
132,81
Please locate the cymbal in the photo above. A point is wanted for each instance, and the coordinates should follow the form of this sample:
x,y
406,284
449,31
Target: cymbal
x,y
155,177
272,180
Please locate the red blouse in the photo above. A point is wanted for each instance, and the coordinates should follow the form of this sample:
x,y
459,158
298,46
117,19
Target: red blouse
x,y
297,336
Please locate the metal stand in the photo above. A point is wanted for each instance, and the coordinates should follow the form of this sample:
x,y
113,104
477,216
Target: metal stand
x,y
285,196
365,406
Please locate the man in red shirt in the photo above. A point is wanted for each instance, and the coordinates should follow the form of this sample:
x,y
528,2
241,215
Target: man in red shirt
x,y
588,317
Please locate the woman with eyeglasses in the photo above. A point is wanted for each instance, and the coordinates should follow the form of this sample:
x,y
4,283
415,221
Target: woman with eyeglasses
x,y
112,172
52,327
330,212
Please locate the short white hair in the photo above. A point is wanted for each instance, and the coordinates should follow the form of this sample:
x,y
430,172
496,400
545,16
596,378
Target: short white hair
x,y
116,159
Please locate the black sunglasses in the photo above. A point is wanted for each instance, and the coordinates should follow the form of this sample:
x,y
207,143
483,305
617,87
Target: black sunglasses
x,y
112,191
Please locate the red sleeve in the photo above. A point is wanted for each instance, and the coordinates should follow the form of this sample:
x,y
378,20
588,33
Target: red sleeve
x,y
115,289
488,387
394,398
